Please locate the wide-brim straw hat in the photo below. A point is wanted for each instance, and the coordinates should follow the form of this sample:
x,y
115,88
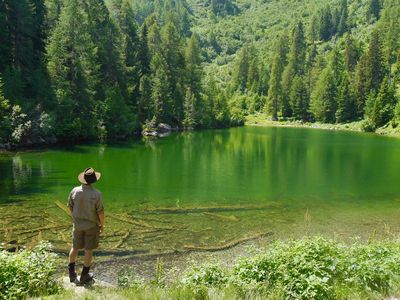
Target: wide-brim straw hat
x,y
89,176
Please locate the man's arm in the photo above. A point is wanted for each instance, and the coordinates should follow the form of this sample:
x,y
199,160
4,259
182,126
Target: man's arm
x,y
101,219
70,202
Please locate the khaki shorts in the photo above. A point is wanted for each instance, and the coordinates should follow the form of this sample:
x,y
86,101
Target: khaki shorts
x,y
87,239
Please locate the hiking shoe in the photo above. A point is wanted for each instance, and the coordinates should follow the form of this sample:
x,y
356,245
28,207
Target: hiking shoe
x,y
86,279
73,278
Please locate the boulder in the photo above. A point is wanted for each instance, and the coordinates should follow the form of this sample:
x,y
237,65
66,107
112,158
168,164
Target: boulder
x,y
163,128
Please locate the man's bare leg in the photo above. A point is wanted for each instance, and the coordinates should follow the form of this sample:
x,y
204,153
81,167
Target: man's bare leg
x,y
73,254
87,261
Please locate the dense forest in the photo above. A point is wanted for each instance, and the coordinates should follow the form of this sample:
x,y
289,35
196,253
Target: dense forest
x,y
73,70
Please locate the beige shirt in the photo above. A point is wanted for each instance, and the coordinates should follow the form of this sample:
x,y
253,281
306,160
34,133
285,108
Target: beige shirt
x,y
85,202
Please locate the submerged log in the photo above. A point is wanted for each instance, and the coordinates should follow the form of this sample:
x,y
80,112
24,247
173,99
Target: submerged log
x,y
123,239
222,217
130,221
41,229
63,208
186,210
229,245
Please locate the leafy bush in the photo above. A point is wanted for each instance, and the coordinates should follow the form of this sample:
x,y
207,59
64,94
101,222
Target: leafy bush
x,y
312,268
27,273
207,275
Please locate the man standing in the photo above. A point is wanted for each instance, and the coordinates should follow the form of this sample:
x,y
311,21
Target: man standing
x,y
86,206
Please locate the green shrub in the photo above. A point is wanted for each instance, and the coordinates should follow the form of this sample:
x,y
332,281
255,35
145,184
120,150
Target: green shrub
x,y
311,268
207,275
27,273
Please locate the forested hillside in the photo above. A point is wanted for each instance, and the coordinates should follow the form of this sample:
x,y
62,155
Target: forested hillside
x,y
327,61
74,70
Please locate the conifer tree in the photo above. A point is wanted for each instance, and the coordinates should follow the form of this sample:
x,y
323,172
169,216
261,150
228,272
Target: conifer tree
x,y
144,105
361,86
374,8
73,69
343,21
172,49
325,24
324,97
346,101
193,77
381,109
300,97
189,120
108,43
275,86
241,71
160,89
144,52
5,38
351,53
130,49
375,69
295,67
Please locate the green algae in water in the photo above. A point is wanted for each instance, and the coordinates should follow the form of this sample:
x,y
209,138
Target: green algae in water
x,y
347,183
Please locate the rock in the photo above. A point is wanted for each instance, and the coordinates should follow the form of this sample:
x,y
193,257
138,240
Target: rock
x,y
149,133
85,289
163,128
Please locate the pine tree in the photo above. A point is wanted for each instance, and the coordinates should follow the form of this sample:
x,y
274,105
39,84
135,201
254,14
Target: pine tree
x,y
161,95
361,86
130,49
374,8
107,40
337,66
295,67
324,97
21,30
343,21
144,105
300,97
381,110
144,52
253,75
241,70
275,86
346,101
53,9
313,31
390,27
351,53
73,69
172,49
5,38
189,120
375,63
325,24
193,76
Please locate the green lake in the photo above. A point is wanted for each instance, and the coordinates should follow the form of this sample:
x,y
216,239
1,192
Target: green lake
x,y
210,187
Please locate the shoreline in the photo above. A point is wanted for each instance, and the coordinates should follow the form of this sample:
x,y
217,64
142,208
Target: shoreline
x,y
262,121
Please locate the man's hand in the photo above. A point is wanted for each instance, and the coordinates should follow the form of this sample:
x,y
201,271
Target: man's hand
x,y
101,221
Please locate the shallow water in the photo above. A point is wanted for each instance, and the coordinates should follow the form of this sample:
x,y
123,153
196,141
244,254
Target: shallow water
x,y
287,181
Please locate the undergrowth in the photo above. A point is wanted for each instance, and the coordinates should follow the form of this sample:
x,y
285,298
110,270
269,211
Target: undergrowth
x,y
27,273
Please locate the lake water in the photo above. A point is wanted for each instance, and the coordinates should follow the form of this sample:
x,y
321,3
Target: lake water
x,y
211,187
